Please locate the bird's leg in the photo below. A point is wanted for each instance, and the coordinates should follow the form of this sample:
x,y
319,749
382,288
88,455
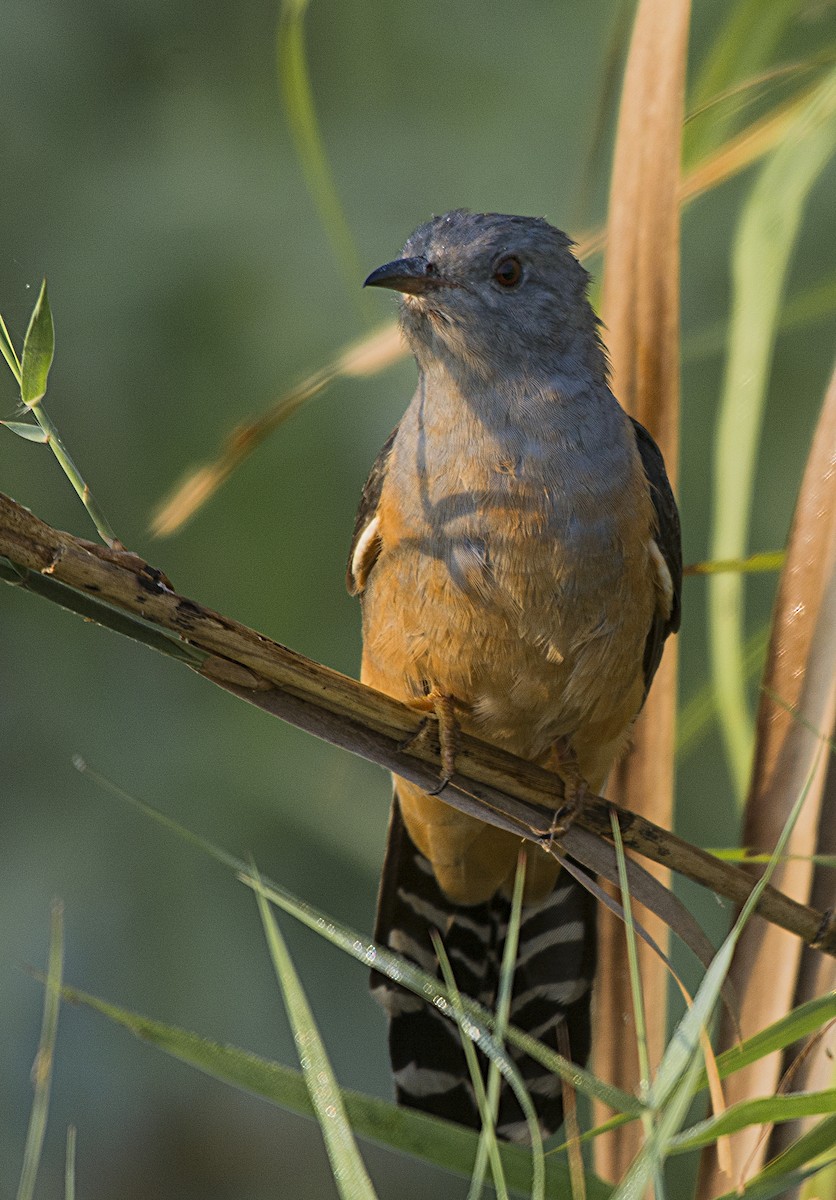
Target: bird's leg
x,y
443,708
563,761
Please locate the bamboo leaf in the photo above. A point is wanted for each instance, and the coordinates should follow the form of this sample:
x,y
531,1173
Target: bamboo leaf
x,y
25,430
767,232
38,351
347,1166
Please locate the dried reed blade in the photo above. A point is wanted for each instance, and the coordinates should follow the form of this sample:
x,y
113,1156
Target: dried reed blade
x,y
641,312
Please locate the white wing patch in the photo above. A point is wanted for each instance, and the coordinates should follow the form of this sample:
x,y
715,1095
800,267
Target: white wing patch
x,y
365,553
662,579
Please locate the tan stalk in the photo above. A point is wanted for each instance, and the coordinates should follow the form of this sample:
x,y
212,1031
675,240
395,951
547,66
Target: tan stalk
x,y
641,314
798,697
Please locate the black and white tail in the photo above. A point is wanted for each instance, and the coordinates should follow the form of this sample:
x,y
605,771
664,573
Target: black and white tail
x,y
552,984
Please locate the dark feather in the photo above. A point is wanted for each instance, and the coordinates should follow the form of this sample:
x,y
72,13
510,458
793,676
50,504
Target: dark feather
x,y
552,984
669,541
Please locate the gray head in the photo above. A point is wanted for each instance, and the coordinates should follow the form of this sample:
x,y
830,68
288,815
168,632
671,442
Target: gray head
x,y
493,294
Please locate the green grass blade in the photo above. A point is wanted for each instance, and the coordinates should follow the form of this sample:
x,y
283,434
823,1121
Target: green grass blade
x,y
649,1162
764,1110
440,1143
799,1024
778,1187
754,564
503,1012
42,1070
297,96
8,351
487,1136
742,47
38,351
69,1169
347,1166
767,233
700,710
819,1140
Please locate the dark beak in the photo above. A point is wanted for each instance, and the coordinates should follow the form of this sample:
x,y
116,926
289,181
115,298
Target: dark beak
x,y
412,275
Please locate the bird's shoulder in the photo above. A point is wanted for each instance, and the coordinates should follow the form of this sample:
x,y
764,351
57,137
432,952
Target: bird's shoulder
x,y
365,541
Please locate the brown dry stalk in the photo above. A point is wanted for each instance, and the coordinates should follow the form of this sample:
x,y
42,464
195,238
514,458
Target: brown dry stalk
x,y
489,783
799,670
641,314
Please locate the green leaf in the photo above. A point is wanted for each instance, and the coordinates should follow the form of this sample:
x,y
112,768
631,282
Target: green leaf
x,y
42,1070
764,1110
434,1141
798,1024
38,349
347,1166
29,432
766,235
776,1187
819,1140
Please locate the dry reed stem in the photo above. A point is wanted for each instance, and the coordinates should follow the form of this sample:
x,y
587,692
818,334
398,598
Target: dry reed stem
x,y
800,670
641,314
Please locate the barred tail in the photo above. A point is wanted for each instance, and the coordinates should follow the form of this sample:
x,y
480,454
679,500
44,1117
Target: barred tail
x,y
552,984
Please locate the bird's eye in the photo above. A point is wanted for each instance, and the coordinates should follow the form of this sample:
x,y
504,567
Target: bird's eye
x,y
508,272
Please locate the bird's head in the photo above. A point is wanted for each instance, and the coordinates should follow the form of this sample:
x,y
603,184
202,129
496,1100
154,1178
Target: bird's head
x,y
492,293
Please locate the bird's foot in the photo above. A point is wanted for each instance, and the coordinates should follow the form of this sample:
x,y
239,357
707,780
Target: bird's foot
x,y
563,761
443,709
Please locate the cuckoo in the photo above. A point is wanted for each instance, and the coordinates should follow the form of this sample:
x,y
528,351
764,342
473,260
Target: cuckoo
x,y
517,557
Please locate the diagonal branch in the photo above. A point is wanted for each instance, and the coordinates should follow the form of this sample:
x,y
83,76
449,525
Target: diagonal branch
x,y
122,592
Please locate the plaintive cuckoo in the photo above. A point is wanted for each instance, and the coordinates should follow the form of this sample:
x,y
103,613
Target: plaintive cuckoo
x,y
517,554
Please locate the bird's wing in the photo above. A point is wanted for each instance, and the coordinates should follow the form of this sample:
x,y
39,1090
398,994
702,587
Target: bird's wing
x,y
365,541
667,552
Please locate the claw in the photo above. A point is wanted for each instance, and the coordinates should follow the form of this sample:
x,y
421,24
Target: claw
x,y
443,708
563,761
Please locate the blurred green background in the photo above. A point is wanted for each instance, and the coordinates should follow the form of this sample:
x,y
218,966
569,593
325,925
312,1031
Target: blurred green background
x,y
149,172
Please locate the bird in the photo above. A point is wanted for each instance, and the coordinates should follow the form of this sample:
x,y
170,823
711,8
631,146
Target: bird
x,y
517,557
